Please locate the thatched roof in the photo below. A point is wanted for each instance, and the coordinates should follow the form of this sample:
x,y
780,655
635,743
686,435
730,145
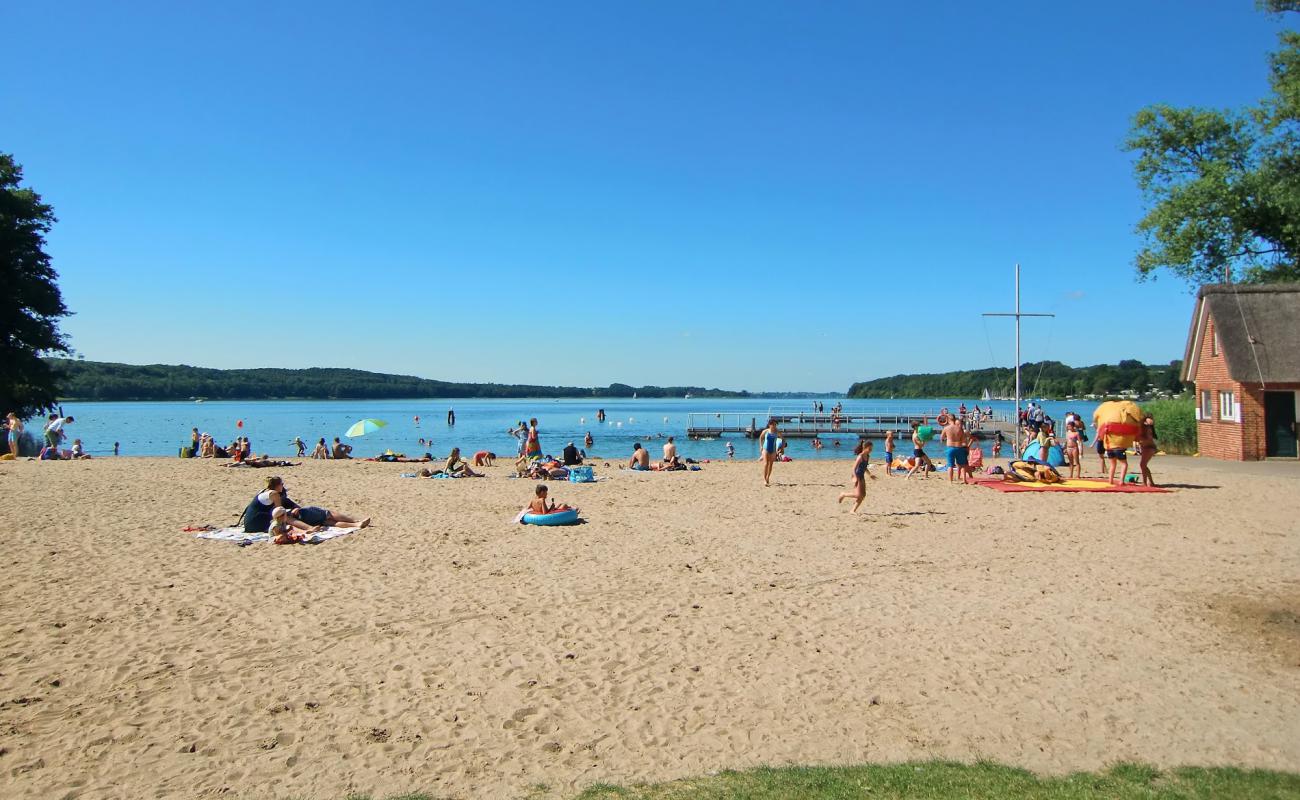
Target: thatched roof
x,y
1259,331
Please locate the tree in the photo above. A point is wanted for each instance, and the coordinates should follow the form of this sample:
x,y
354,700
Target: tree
x,y
1223,187
30,302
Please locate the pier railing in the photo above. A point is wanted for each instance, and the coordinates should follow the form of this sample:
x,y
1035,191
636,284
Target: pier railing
x,y
794,423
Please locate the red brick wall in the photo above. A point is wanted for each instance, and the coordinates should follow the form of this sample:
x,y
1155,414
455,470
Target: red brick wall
x,y
1254,440
1234,441
1216,438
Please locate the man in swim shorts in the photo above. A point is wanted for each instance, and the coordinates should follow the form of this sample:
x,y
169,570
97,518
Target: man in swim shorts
x,y
640,458
958,448
1116,456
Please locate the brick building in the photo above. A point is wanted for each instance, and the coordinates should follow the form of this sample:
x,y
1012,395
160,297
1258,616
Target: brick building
x,y
1243,355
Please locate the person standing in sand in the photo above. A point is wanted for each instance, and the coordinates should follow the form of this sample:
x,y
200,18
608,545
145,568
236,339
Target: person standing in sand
x,y
1147,442
533,444
14,426
889,452
958,448
1072,447
919,459
769,440
861,465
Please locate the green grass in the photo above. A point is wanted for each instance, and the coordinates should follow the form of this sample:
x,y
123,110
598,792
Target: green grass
x,y
1175,423
945,780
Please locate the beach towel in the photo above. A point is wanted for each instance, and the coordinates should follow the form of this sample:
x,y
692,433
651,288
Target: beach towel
x,y
1071,485
238,535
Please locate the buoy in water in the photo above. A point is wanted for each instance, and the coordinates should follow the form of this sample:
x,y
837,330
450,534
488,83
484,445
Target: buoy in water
x,y
239,423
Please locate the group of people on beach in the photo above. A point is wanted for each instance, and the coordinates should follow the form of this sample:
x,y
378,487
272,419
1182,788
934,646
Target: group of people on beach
x,y
272,511
55,435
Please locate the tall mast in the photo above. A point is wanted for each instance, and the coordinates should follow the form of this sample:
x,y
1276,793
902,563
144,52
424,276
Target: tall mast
x,y
1017,314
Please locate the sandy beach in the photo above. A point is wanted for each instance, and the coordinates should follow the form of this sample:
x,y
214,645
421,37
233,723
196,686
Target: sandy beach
x,y
697,621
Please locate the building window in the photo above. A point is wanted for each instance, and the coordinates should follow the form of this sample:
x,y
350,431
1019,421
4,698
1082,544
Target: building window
x,y
1228,411
1214,343
1204,412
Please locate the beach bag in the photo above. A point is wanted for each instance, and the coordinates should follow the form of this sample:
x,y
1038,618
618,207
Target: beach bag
x,y
581,475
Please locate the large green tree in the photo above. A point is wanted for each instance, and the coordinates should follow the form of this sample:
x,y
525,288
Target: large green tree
x,y
30,302
1223,187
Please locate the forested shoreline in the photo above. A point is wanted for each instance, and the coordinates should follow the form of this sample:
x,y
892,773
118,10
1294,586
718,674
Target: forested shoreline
x,y
100,380
1047,379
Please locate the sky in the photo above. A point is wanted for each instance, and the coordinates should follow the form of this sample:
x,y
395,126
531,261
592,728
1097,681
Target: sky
x,y
759,195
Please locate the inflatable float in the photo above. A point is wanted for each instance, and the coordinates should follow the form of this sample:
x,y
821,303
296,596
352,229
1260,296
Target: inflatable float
x,y
1117,423
566,517
1055,456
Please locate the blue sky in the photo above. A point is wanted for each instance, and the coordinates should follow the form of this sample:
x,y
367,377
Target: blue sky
x,y
746,194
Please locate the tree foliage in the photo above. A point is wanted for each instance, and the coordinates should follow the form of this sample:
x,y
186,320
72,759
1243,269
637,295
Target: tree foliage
x,y
96,380
1223,187
1050,379
30,302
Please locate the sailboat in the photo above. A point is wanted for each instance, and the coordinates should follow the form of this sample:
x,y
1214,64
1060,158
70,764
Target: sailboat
x,y
986,395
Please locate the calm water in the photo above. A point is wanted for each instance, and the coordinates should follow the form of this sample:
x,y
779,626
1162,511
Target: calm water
x,y
159,429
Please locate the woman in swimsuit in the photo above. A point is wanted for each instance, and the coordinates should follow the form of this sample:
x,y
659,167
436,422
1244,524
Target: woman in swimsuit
x,y
15,428
458,467
1147,440
1072,450
860,474
767,450
533,445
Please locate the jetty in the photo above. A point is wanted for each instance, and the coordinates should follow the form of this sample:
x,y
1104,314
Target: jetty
x,y
862,423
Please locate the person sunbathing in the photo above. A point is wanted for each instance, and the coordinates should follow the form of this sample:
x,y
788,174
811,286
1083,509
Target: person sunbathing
x,y
321,451
400,458
263,461
324,518
458,467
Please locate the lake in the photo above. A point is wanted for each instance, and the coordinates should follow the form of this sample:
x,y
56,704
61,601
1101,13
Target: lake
x,y
160,429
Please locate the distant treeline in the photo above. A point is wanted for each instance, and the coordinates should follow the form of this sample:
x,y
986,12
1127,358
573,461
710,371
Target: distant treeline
x,y
1050,379
99,380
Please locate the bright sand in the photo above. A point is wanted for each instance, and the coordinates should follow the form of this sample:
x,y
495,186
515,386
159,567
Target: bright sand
x,y
698,621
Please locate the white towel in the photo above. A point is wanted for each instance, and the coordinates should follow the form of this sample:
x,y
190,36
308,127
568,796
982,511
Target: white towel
x,y
237,534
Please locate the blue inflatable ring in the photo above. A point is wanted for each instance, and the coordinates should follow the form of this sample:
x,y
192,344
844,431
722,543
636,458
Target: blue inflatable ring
x,y
565,517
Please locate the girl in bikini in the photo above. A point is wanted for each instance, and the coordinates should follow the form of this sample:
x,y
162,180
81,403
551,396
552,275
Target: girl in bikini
x,y
1072,450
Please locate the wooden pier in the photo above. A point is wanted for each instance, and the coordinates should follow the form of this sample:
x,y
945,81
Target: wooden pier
x,y
859,423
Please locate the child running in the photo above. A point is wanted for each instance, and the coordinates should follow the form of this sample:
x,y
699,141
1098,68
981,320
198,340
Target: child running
x,y
861,465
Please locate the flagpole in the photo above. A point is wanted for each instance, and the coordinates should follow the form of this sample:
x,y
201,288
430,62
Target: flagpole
x,y
1018,314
